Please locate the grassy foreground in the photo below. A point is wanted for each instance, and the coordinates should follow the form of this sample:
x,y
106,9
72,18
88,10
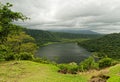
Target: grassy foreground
x,y
27,71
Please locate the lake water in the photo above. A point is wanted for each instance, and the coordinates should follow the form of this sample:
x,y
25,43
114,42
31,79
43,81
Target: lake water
x,y
63,52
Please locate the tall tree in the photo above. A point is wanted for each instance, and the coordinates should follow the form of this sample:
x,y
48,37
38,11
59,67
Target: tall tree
x,y
7,17
14,43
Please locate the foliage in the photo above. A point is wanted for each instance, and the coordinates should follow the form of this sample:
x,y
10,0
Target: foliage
x,y
105,62
71,68
63,35
9,57
88,64
16,44
7,16
25,56
108,45
43,37
13,41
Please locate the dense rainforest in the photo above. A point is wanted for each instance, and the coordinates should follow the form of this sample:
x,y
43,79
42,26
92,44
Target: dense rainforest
x,y
108,45
42,36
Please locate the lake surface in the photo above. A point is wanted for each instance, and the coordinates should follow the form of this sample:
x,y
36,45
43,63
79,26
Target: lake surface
x,y
63,52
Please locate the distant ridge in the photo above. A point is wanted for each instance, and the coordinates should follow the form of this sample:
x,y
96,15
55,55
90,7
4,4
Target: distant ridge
x,y
79,31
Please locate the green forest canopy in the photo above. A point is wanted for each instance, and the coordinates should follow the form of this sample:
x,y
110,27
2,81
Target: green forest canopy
x,y
108,45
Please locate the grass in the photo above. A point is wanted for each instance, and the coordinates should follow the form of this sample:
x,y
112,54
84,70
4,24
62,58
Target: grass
x,y
114,73
73,40
65,41
27,71
48,43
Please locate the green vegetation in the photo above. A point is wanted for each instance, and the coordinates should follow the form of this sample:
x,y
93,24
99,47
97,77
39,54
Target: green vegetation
x,y
71,68
63,35
17,45
6,18
27,71
45,37
108,45
105,62
114,73
88,64
42,37
14,43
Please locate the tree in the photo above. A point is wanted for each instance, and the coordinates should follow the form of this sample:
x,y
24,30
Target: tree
x,y
14,43
7,17
21,42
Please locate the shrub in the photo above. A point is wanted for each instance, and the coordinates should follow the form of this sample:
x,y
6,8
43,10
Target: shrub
x,y
1,56
114,62
71,68
105,62
9,57
88,64
25,56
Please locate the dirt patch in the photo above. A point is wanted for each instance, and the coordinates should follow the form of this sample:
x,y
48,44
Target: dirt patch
x,y
118,74
62,71
65,71
99,78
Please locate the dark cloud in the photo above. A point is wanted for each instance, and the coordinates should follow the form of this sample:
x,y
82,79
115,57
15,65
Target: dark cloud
x,y
98,15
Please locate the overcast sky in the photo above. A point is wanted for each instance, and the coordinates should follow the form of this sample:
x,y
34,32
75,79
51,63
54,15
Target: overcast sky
x,y
98,15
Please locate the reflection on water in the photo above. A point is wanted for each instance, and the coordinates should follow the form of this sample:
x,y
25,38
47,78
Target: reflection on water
x,y
63,53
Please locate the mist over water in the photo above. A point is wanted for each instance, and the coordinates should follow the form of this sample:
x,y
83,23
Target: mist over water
x,y
63,53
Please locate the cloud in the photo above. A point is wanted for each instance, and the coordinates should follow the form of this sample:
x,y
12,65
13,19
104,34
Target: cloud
x,y
98,15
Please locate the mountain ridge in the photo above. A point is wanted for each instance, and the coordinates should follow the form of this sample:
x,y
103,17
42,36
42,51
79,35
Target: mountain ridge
x,y
75,31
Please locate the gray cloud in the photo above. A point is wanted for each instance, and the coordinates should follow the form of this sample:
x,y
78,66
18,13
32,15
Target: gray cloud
x,y
97,15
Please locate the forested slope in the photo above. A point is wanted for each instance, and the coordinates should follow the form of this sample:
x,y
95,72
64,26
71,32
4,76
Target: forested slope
x,y
75,36
107,45
43,37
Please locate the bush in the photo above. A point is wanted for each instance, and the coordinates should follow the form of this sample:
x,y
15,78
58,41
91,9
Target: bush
x,y
88,64
25,56
1,56
9,57
114,62
71,68
105,62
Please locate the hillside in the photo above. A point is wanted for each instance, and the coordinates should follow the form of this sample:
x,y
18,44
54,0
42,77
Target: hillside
x,y
107,45
42,37
66,35
27,71
74,31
